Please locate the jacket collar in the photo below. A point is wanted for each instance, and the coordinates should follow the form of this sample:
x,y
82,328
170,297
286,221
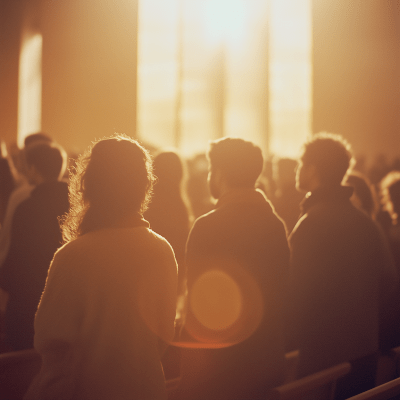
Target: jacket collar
x,y
326,194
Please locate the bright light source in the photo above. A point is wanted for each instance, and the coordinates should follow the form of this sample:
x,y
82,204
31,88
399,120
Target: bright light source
x,y
290,75
266,69
225,20
30,87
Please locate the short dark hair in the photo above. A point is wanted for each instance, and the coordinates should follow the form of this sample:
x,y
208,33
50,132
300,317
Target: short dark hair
x,y
330,154
169,168
240,161
37,137
48,158
111,179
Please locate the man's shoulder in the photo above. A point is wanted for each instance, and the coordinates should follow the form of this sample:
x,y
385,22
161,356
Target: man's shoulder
x,y
324,218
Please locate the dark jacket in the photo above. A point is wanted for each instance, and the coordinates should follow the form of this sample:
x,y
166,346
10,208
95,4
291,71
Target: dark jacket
x,y
244,239
340,270
35,236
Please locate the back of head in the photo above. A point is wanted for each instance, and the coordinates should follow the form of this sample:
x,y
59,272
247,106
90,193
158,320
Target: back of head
x,y
168,168
37,137
118,174
49,159
331,156
240,161
390,187
364,192
111,180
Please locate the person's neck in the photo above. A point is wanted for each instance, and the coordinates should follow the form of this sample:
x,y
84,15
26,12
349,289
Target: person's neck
x,y
129,220
227,190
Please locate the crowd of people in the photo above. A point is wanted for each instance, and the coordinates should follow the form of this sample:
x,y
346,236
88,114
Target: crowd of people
x,y
138,266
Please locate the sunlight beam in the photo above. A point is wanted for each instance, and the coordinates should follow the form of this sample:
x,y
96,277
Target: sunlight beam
x,y
30,87
290,75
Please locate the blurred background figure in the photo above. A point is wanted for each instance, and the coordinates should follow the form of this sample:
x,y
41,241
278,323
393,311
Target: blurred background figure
x,y
390,197
7,183
169,214
35,236
16,189
390,190
287,198
364,196
198,191
22,188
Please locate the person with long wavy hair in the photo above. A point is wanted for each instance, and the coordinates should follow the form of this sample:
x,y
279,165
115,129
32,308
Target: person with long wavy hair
x,y
109,302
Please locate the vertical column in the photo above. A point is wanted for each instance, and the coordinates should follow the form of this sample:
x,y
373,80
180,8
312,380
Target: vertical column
x,y
10,34
30,73
89,69
356,80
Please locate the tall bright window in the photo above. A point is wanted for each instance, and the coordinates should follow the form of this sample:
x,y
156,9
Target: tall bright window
x,y
212,68
290,75
30,86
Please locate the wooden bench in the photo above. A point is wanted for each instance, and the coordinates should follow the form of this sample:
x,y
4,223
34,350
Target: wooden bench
x,y
318,386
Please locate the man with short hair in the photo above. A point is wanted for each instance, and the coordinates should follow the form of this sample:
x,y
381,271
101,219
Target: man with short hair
x,y
19,194
237,258
35,236
340,269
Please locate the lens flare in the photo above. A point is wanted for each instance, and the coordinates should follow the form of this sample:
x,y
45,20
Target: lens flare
x,y
225,305
216,300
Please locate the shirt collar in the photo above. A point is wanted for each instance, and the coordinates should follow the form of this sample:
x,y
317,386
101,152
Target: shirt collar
x,y
325,194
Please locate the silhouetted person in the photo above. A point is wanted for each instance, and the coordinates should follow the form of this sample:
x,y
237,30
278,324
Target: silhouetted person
x,y
110,296
20,193
6,187
169,215
35,236
390,329
286,198
340,270
237,259
364,195
198,191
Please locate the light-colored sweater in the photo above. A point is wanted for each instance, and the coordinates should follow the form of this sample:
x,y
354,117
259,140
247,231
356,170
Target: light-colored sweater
x,y
110,296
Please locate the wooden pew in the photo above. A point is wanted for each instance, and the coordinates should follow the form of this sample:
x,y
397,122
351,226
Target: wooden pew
x,y
318,386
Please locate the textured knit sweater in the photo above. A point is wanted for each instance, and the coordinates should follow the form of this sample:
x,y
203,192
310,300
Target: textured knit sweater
x,y
110,296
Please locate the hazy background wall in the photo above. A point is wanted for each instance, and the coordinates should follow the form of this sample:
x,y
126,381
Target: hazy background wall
x,y
89,70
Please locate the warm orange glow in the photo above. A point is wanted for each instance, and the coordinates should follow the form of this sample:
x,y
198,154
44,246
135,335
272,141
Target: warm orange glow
x,y
216,300
234,67
290,75
30,87
225,306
